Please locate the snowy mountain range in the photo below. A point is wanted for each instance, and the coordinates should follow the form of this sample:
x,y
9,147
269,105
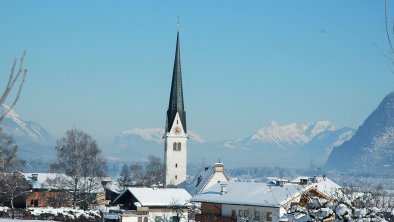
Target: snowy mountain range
x,y
289,145
33,140
372,146
294,144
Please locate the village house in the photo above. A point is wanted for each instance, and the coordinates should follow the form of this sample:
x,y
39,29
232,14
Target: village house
x,y
142,204
111,190
43,194
206,178
46,190
268,202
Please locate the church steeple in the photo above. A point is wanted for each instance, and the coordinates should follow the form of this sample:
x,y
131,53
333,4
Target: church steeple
x,y
176,104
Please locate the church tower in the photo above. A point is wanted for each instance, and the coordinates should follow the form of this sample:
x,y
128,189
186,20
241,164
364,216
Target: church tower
x,y
175,137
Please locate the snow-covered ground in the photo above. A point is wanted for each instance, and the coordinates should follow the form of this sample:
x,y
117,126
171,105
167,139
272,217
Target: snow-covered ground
x,y
56,212
11,220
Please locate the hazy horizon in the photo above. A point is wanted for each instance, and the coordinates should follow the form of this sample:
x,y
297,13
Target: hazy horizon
x,y
105,67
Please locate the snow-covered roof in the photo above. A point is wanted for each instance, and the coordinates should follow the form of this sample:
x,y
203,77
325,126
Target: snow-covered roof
x,y
252,194
47,181
201,179
113,186
158,196
322,184
42,179
262,194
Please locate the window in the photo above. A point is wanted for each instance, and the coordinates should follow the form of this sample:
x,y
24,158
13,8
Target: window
x,y
269,216
35,202
246,213
174,146
199,180
145,219
240,213
176,165
139,219
233,213
176,177
257,215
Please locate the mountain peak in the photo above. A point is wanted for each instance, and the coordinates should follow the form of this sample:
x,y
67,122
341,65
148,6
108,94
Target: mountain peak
x,y
292,133
24,132
371,146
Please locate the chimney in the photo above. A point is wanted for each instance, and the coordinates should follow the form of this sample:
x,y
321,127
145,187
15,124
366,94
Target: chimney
x,y
34,176
223,188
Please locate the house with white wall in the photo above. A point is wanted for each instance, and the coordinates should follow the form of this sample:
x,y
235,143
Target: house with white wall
x,y
268,202
142,204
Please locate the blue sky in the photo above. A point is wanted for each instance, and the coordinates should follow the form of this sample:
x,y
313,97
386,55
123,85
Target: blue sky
x,y
106,66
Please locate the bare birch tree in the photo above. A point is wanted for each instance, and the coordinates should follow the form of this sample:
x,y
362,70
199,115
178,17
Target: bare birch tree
x,y
17,74
137,174
79,158
154,173
12,183
389,28
124,179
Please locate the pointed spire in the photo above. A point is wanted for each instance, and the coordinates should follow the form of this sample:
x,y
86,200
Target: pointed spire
x,y
176,96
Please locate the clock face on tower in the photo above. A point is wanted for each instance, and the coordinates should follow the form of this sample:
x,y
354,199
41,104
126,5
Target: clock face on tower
x,y
177,130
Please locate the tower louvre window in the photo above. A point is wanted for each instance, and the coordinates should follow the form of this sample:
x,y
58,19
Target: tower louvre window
x,y
177,146
174,146
176,165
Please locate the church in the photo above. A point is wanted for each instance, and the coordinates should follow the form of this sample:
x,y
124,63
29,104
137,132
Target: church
x,y
175,141
175,135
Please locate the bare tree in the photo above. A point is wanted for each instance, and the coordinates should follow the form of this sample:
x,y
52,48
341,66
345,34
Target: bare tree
x,y
180,211
154,171
389,28
8,149
124,179
14,185
137,174
79,158
17,73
